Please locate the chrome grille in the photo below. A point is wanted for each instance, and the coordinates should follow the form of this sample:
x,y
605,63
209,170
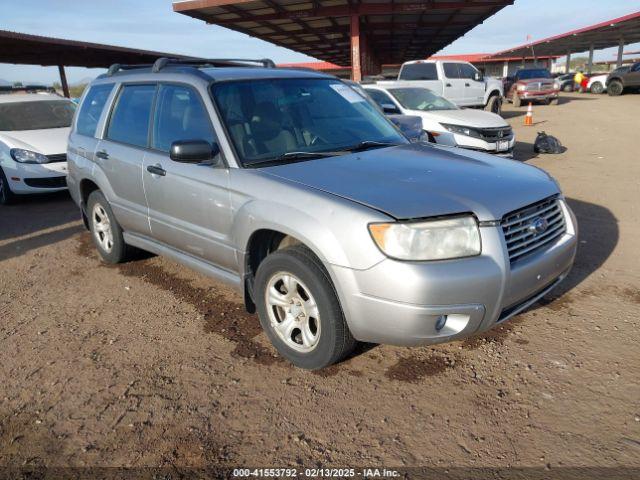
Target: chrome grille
x,y
519,227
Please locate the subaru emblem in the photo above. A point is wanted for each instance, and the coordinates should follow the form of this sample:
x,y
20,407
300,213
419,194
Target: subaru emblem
x,y
538,225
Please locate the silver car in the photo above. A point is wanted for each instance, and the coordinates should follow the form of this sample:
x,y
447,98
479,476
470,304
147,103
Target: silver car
x,y
291,187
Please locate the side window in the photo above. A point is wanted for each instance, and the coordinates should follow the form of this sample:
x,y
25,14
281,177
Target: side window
x,y
380,97
467,71
91,109
636,68
180,115
130,117
451,70
419,71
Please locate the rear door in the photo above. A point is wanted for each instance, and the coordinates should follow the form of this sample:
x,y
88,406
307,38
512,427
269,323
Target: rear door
x,y
426,73
121,152
473,89
632,79
454,88
189,204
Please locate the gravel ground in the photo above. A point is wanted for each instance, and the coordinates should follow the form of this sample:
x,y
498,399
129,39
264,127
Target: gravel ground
x,y
151,364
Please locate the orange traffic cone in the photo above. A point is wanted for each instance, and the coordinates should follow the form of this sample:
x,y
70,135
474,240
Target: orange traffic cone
x,y
528,120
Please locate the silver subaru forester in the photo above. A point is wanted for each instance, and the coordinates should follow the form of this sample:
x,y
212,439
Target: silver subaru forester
x,y
292,187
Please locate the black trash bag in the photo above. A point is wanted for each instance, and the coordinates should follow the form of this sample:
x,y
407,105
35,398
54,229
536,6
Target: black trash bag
x,y
547,144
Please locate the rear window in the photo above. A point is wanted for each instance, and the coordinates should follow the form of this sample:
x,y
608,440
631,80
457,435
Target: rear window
x,y
91,109
130,118
419,71
36,115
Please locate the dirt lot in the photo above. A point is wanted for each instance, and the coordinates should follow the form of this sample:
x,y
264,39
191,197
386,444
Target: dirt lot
x,y
151,364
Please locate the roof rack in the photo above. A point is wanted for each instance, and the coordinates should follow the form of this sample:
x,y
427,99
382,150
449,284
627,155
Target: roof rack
x,y
163,62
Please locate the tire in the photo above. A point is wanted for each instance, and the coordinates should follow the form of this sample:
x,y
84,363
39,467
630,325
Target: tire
x,y
298,281
615,88
567,88
517,101
102,224
597,88
494,104
7,197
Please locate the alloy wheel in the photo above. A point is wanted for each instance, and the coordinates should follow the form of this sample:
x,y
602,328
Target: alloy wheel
x,y
102,227
293,312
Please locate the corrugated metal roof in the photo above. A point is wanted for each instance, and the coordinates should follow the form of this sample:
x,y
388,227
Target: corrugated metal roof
x,y
395,31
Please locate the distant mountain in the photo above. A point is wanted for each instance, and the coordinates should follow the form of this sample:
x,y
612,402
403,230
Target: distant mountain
x,y
5,83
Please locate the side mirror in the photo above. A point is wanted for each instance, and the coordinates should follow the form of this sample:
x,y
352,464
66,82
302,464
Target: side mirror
x,y
478,77
389,108
193,151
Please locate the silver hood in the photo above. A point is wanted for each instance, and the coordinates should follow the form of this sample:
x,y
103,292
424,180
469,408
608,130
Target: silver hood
x,y
418,181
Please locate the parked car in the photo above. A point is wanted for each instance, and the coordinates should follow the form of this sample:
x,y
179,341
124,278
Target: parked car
x,y
598,83
33,143
624,80
409,125
532,85
459,82
290,186
444,122
565,82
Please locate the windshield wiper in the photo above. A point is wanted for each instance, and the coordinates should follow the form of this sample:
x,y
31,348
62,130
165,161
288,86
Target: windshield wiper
x,y
367,145
291,156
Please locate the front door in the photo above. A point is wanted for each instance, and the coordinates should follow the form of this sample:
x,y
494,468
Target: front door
x,y
189,204
473,89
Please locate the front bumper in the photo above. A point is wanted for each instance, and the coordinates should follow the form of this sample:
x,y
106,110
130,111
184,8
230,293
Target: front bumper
x,y
477,144
540,96
402,303
25,178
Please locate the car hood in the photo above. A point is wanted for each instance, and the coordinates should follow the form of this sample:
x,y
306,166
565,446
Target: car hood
x,y
465,116
49,141
418,180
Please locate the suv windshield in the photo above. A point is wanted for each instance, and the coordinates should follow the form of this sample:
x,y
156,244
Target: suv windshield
x,y
533,73
295,118
421,99
36,115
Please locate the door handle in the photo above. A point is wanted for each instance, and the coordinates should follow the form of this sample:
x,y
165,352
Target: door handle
x,y
156,170
447,85
102,154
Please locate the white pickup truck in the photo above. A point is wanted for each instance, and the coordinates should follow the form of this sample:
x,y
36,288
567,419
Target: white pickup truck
x,y
459,82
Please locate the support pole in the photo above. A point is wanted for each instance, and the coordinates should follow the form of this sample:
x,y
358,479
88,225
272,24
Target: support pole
x,y
590,64
620,51
505,68
567,66
63,81
356,63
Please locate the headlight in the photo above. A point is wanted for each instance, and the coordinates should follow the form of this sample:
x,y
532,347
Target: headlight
x,y
462,130
521,88
440,239
27,156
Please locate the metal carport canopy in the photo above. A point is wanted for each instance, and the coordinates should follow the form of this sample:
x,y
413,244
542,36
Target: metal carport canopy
x,y
616,32
364,34
25,49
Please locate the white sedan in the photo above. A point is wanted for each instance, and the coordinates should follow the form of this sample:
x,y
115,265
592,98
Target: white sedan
x,y
33,143
444,122
597,83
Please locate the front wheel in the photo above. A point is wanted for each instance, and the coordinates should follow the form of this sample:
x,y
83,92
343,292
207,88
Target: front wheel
x,y
299,309
6,195
615,88
597,88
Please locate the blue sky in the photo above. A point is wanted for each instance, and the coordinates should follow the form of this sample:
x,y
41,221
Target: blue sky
x,y
151,24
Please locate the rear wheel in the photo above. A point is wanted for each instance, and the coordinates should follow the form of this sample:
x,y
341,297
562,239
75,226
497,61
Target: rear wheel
x,y
494,104
615,88
567,87
597,88
299,309
105,230
6,195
